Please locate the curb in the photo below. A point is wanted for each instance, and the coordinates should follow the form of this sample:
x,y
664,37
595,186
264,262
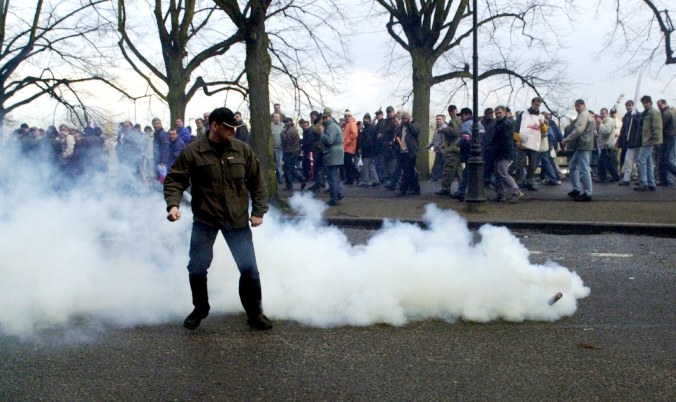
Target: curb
x,y
552,227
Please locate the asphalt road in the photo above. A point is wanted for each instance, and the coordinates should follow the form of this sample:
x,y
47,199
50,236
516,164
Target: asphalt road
x,y
619,345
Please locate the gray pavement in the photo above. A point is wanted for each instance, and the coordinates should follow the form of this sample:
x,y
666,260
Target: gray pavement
x,y
619,345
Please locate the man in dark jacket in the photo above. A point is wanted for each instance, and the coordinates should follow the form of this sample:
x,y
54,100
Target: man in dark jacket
x,y
242,133
488,121
390,150
223,174
667,155
368,144
291,151
629,142
407,136
160,144
502,145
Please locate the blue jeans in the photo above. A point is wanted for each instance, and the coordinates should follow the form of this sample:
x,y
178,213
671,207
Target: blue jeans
x,y
279,162
579,166
667,166
334,182
241,246
547,167
644,161
462,187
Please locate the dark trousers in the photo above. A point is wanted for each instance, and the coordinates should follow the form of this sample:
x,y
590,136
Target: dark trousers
x,y
351,171
607,164
409,179
438,166
241,246
291,172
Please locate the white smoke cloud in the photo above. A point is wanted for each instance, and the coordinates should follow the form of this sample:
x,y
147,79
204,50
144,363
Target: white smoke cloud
x,y
98,254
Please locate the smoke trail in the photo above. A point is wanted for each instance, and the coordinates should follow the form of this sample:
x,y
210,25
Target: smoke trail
x,y
100,254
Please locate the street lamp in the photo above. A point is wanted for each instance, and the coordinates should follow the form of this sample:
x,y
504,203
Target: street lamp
x,y
475,179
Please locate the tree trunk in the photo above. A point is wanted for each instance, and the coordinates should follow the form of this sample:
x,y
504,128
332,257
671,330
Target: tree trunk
x,y
422,85
258,64
177,104
176,97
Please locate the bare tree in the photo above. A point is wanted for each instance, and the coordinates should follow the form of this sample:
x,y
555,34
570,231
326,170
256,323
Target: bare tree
x,y
287,55
55,36
430,31
189,35
643,29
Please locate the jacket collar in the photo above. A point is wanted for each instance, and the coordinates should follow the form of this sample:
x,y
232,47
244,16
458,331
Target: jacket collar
x,y
203,144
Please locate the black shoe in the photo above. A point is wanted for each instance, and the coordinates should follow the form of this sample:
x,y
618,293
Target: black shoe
x,y
583,198
333,203
641,187
375,184
531,188
193,319
623,183
442,192
574,194
302,185
652,188
260,322
389,187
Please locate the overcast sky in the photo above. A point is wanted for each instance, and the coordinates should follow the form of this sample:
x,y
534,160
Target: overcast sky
x,y
599,77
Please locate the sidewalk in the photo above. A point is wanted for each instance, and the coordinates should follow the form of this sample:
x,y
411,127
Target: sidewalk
x,y
613,208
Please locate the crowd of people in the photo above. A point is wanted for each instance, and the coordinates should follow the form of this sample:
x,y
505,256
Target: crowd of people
x,y
520,150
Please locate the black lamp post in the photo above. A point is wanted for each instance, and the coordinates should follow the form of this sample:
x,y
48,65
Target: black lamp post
x,y
475,180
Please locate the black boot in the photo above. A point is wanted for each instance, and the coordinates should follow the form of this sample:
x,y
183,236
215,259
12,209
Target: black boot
x,y
250,295
200,299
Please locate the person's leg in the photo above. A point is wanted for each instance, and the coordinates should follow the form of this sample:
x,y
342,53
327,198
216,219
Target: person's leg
x,y
603,166
612,168
379,162
650,167
519,164
533,160
641,162
279,162
405,174
334,180
373,173
547,167
575,171
447,173
287,166
319,168
668,159
201,254
240,242
438,166
628,164
585,172
462,188
396,173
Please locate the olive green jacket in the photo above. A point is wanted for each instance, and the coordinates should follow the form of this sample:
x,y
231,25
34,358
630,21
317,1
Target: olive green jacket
x,y
220,186
451,136
651,121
